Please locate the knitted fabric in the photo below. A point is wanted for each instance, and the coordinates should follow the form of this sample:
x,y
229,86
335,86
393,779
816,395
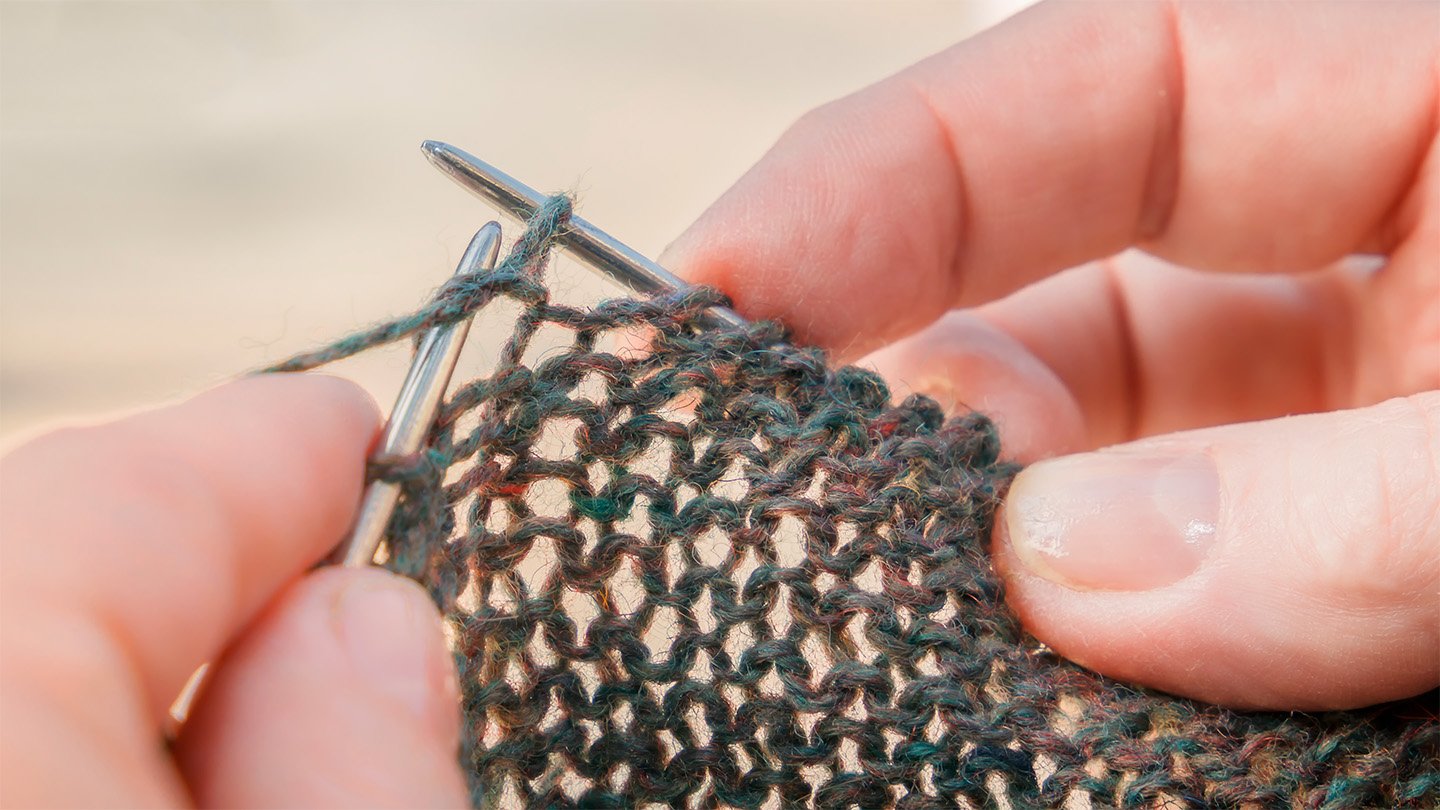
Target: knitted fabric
x,y
722,573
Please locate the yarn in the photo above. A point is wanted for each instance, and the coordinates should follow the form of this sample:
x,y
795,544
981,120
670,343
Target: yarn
x,y
725,574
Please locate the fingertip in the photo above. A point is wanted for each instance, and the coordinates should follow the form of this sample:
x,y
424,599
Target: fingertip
x,y
391,632
965,363
716,251
296,443
343,694
1280,565
313,431
798,239
196,514
340,396
344,410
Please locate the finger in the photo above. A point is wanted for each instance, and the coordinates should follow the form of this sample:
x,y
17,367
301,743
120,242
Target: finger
x,y
1132,346
343,694
1288,564
156,538
966,363
1238,136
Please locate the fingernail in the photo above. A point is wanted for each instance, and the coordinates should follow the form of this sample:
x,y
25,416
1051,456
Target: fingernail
x,y
392,633
1124,520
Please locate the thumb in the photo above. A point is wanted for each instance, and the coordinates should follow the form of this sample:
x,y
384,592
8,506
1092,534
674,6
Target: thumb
x,y
341,695
1286,564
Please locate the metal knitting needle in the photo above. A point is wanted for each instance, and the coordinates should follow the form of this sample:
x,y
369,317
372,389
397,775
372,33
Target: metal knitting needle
x,y
415,407
588,243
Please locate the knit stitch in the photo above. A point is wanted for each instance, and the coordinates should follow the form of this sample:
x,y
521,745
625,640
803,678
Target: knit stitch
x,y
722,573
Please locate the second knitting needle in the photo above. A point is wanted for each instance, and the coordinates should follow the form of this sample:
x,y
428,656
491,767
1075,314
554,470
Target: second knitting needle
x,y
588,243
415,408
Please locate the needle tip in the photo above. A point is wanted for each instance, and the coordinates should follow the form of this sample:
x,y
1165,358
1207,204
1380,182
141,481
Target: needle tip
x,y
436,151
483,251
483,180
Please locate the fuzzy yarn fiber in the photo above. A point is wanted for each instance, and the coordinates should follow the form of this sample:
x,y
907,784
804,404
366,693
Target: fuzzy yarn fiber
x,y
725,574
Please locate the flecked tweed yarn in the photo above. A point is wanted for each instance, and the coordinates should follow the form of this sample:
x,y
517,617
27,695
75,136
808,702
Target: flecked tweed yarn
x,y
722,573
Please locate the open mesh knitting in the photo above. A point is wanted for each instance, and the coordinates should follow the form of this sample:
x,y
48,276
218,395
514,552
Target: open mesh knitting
x,y
723,573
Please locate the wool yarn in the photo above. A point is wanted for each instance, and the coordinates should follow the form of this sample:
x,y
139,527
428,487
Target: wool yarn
x,y
723,573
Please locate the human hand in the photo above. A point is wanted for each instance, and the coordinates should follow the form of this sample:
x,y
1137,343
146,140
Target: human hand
x,y
135,551
1290,563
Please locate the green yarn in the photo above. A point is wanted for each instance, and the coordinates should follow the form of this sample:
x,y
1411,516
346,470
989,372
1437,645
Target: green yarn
x,y
739,577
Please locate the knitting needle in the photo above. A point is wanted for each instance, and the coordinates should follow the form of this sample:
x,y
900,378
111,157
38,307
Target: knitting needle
x,y
414,412
588,243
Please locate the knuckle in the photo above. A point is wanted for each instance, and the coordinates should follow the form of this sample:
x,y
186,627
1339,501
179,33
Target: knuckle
x,y
1371,538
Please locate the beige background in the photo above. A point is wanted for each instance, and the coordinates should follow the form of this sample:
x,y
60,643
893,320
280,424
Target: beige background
x,y
189,190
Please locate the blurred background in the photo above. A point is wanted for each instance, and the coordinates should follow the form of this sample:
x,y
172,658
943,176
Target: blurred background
x,y
190,190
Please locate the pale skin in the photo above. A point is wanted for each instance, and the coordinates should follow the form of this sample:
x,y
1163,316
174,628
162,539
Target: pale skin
x,y
1265,146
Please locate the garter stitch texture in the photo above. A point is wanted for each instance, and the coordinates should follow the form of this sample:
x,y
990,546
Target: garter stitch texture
x,y
726,574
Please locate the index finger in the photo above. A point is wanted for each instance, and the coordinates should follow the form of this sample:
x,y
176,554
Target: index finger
x,y
1224,136
156,538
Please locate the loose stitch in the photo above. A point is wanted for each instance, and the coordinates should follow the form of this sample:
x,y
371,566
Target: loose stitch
x,y
761,584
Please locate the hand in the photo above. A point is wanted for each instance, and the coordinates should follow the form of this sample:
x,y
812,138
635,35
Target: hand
x,y
1290,563
135,551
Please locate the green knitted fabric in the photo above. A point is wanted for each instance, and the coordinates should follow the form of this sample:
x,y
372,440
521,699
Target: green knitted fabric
x,y
722,573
